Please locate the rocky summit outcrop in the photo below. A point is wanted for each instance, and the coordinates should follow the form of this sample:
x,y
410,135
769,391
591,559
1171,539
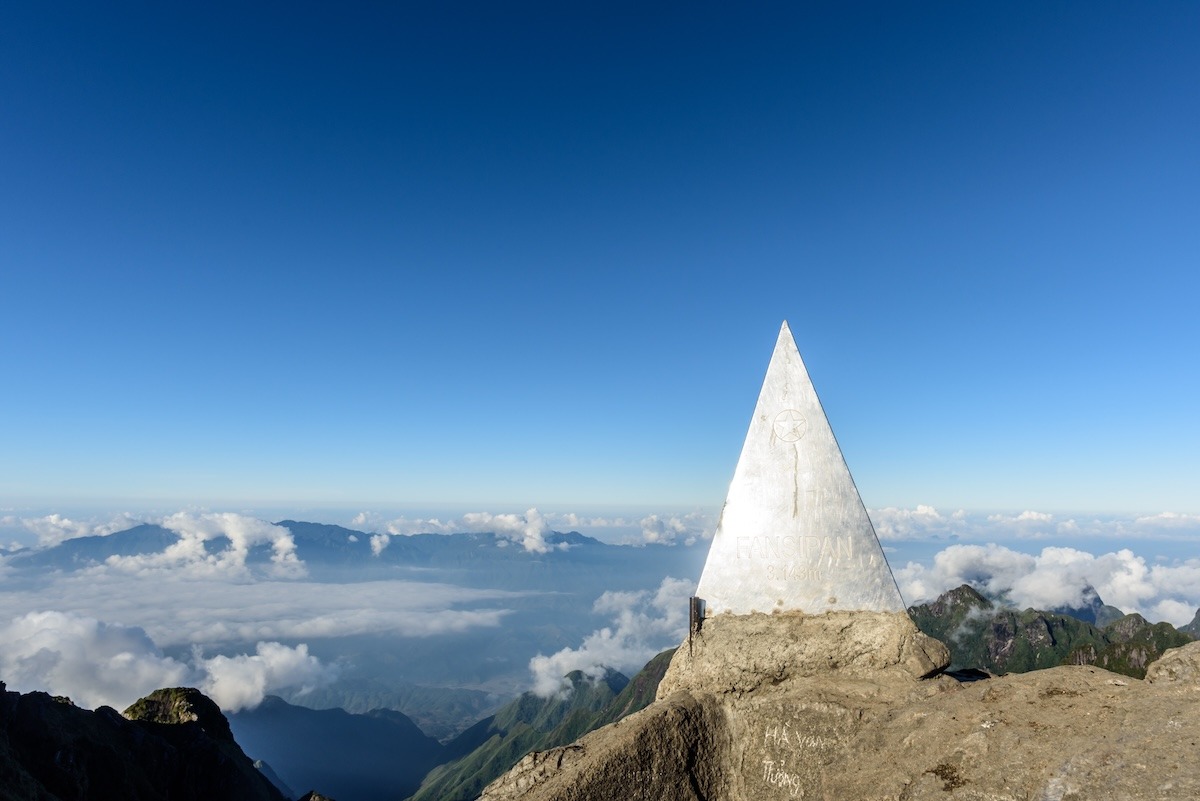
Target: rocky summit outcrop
x,y
852,706
174,744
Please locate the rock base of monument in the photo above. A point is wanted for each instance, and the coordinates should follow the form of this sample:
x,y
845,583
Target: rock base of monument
x,y
739,654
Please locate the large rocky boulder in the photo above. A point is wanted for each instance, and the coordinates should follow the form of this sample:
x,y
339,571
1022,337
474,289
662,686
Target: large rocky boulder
x,y
740,654
849,706
1177,665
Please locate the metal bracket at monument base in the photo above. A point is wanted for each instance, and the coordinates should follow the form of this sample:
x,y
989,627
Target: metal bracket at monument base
x,y
695,619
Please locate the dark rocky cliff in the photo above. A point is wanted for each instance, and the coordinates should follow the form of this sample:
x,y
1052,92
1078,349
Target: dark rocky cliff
x,y
172,745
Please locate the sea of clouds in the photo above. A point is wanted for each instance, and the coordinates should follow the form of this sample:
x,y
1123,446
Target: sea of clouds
x,y
98,634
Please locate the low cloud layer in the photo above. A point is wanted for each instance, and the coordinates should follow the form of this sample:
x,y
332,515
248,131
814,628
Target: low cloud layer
x,y
928,523
1061,577
104,664
52,529
187,595
670,529
530,529
643,624
188,610
920,523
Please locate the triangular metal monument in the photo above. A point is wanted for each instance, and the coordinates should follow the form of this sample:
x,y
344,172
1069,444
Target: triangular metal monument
x,y
794,534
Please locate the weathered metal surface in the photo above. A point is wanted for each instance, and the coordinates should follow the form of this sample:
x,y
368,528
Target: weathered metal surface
x,y
794,534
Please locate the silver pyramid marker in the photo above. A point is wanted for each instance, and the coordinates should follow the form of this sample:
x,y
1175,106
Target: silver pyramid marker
x,y
794,534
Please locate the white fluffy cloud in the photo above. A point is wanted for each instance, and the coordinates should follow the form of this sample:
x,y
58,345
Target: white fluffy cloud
x,y
189,554
670,529
529,529
923,521
368,521
1061,577
104,664
643,624
240,682
54,528
378,543
95,663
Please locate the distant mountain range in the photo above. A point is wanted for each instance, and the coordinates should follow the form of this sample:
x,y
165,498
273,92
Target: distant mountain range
x,y
341,554
81,552
318,543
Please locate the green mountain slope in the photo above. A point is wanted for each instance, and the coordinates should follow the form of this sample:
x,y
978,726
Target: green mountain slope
x,y
983,634
1133,643
638,693
530,723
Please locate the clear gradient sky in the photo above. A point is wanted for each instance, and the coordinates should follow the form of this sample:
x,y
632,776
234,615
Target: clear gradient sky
x,y
516,253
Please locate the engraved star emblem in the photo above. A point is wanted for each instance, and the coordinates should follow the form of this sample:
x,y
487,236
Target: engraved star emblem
x,y
790,425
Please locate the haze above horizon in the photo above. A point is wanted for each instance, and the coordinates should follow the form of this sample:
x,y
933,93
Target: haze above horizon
x,y
526,255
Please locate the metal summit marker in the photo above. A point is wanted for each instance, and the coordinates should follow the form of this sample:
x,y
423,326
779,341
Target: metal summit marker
x,y
794,534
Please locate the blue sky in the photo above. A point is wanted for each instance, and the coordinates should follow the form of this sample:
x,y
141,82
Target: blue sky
x,y
487,255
